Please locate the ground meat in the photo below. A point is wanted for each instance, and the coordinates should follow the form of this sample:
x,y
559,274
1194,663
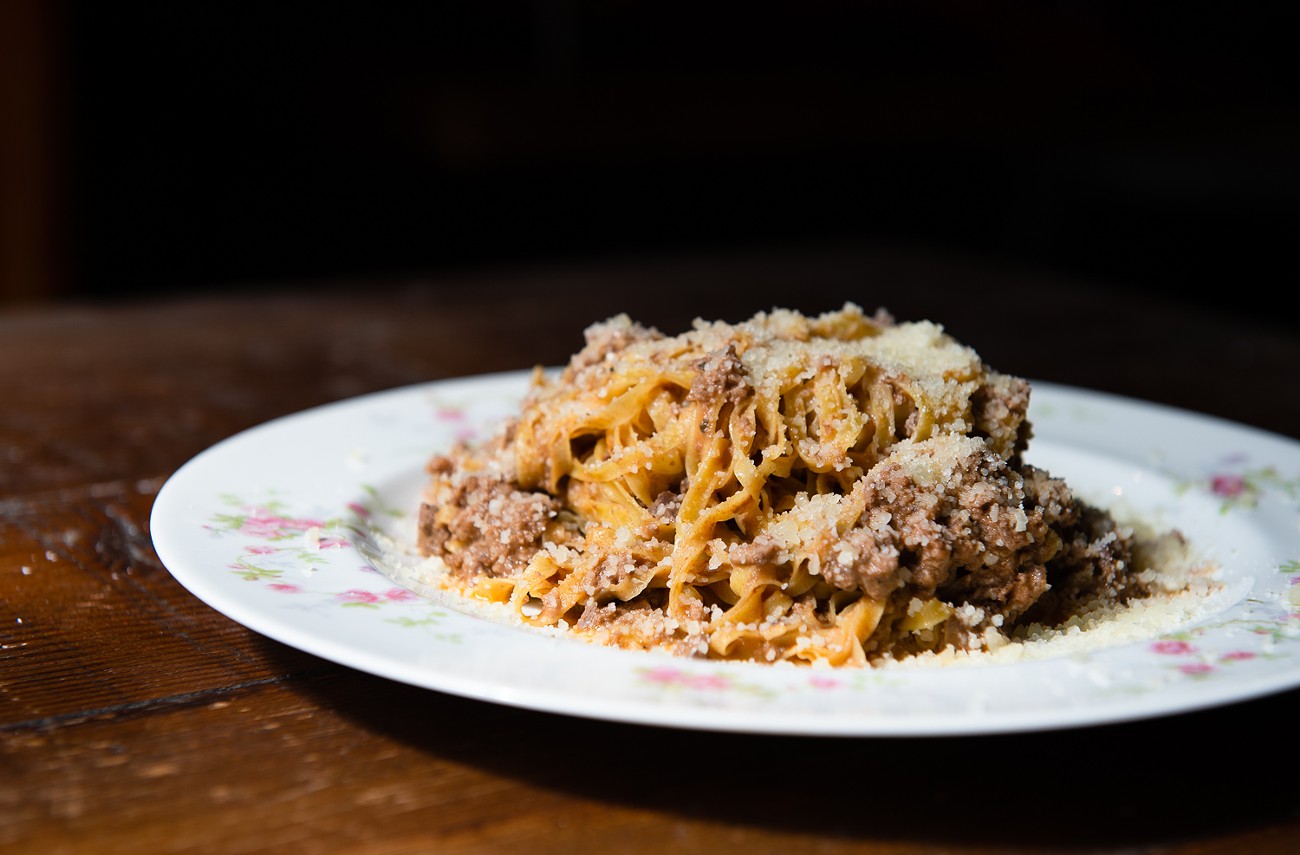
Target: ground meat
x,y
759,551
1060,507
1095,558
999,408
644,626
607,338
721,375
481,525
971,541
440,464
666,506
874,564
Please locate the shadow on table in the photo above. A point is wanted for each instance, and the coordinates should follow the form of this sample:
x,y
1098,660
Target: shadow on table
x,y
1190,776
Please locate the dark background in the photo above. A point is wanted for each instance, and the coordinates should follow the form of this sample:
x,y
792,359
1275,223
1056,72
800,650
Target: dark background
x,y
225,146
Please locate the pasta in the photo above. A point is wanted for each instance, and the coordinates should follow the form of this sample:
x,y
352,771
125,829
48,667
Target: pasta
x,y
836,489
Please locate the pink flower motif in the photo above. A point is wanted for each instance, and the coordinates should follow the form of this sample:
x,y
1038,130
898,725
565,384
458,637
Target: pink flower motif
x,y
331,542
1237,655
284,587
356,595
1171,647
449,414
1196,669
261,550
263,524
823,682
673,677
259,527
359,509
400,595
1227,486
667,676
711,682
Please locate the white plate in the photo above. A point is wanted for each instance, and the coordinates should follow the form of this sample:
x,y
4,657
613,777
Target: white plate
x,y
266,526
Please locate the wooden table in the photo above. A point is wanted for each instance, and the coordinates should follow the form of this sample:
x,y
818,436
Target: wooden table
x,y
135,719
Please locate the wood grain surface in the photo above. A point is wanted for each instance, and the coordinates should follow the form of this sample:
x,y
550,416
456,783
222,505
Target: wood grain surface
x,y
135,719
